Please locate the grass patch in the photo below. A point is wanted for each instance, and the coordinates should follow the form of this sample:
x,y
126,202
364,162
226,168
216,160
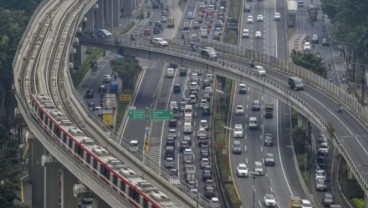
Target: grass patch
x,y
86,65
301,163
127,28
221,138
231,37
235,7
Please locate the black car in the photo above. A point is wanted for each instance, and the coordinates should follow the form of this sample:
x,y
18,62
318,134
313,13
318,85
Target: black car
x,y
156,30
184,145
327,199
183,71
325,42
89,93
206,175
206,83
170,141
172,123
177,88
203,144
268,141
174,171
209,192
206,111
91,105
204,153
188,138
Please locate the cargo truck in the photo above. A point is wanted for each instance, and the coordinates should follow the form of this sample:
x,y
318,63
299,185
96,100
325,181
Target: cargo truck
x,y
292,7
170,22
111,101
312,13
108,117
186,25
268,110
295,202
114,87
190,174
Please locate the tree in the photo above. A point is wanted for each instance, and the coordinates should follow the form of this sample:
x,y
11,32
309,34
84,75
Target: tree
x,y
300,138
311,61
128,69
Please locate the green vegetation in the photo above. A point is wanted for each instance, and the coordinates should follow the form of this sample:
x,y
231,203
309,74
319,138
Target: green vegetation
x,y
14,17
221,142
128,70
232,30
127,28
86,65
310,61
358,203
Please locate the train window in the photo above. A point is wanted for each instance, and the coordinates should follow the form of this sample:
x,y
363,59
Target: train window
x,y
64,138
95,164
105,172
70,143
57,132
78,150
88,159
50,123
145,203
115,180
40,114
122,186
133,195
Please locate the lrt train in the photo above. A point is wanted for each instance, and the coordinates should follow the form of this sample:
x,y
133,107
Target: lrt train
x,y
133,188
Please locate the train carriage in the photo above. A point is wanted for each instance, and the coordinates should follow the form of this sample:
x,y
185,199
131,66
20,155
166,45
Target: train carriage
x,y
109,169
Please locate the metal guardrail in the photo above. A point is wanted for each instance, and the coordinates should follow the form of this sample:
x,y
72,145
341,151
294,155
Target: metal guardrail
x,y
229,51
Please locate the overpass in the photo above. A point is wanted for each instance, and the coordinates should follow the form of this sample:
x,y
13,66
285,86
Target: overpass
x,y
318,102
41,66
233,66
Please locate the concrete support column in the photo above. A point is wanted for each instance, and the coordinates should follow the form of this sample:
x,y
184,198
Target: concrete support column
x,y
90,23
51,181
302,122
365,199
116,16
108,14
76,54
67,180
35,169
99,15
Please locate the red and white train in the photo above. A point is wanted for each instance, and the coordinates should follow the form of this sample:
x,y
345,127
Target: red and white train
x,y
137,191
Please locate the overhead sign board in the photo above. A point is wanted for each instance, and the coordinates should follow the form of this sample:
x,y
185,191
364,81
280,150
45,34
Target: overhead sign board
x,y
137,114
161,114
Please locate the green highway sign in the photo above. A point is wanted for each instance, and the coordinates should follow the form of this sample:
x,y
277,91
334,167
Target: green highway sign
x,y
161,114
137,114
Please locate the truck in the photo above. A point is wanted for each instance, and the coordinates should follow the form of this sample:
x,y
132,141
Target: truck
x,y
268,110
312,13
170,22
190,174
108,117
114,87
170,72
186,25
292,7
203,33
187,117
295,202
188,156
187,128
110,101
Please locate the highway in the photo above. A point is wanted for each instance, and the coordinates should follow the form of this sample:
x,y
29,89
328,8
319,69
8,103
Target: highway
x,y
351,125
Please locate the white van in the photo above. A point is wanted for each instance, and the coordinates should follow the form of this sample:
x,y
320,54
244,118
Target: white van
x,y
187,128
133,145
170,72
188,109
187,117
258,168
253,124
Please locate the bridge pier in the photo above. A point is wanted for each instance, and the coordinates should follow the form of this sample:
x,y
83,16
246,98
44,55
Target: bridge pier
x,y
116,6
35,170
108,14
99,15
67,182
90,23
51,190
365,199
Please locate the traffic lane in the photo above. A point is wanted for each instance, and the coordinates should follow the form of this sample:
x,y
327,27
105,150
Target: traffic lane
x,y
247,42
277,176
270,29
282,39
145,98
285,151
259,44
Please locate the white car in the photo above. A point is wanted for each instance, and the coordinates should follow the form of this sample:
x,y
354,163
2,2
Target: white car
x,y
323,147
238,131
160,42
269,200
242,170
239,110
259,18
258,35
307,46
306,204
277,16
245,33
208,90
320,175
261,71
203,124
107,78
204,161
250,19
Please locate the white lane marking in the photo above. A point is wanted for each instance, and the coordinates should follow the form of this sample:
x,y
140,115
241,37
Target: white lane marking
x,y
278,146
